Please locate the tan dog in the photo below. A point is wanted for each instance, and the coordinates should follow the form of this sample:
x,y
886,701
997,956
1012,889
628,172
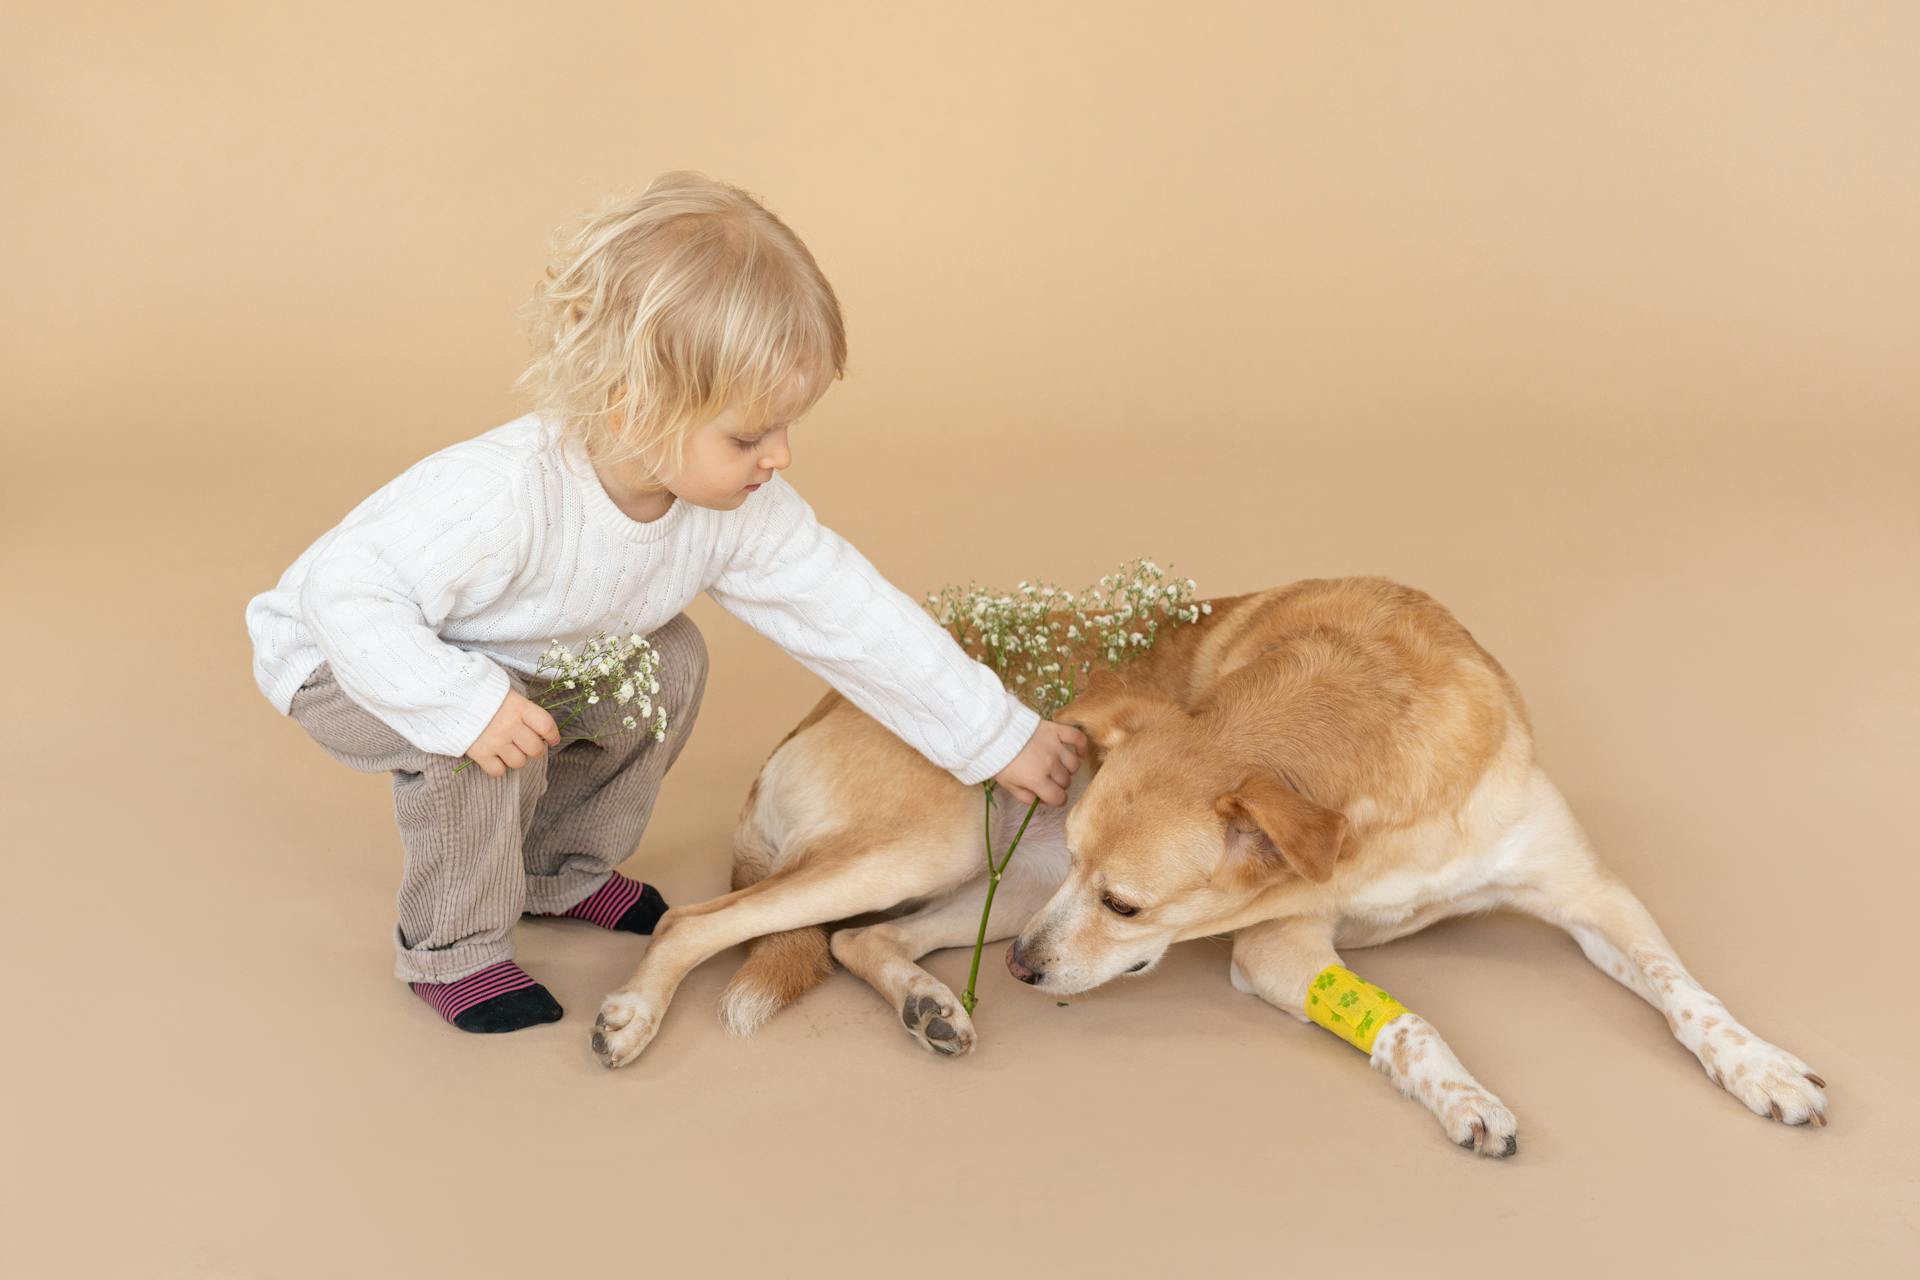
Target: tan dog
x,y
1329,764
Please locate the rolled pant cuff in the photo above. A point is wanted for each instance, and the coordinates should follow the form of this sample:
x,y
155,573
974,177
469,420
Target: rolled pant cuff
x,y
554,895
450,964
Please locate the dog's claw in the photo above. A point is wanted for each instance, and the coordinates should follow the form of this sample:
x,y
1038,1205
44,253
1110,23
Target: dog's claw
x,y
1816,1079
1820,1118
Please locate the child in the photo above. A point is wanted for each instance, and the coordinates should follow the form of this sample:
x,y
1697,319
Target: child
x,y
681,336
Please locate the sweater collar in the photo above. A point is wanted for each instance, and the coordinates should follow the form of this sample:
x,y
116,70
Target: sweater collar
x,y
602,508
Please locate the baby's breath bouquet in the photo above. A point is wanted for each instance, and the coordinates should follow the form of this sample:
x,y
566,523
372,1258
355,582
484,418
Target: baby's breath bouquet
x,y
1043,642
611,670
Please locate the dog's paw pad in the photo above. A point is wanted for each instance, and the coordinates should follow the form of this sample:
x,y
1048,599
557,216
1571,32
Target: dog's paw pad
x,y
937,1022
916,1009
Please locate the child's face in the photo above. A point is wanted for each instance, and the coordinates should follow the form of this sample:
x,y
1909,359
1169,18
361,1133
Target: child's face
x,y
725,460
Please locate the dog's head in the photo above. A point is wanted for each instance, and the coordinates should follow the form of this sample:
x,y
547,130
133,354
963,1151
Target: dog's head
x,y
1173,831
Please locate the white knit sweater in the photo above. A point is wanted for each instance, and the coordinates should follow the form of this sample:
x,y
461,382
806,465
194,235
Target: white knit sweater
x,y
479,556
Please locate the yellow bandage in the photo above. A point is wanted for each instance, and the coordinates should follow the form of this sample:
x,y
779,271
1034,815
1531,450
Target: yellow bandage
x,y
1353,1009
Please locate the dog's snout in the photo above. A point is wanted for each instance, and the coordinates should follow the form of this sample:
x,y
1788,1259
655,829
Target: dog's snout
x,y
1017,966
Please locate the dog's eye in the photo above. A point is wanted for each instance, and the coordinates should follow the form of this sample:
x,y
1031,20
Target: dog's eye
x,y
1116,906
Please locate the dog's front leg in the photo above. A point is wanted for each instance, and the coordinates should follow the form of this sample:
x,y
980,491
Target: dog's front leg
x,y
887,955
1618,935
1291,964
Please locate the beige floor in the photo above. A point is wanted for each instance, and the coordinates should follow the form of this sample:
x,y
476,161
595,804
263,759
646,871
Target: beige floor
x,y
1261,303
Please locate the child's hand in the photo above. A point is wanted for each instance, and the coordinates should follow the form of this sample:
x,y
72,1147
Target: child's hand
x,y
1046,765
521,730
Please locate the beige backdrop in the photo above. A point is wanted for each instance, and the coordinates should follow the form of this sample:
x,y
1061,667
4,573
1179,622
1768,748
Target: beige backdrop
x,y
1595,320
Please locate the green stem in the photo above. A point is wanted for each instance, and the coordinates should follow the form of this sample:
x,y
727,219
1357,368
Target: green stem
x,y
994,871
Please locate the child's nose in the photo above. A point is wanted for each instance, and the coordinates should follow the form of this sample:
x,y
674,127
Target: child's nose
x,y
777,459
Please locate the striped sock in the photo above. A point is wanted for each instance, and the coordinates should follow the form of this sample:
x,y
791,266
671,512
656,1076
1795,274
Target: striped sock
x,y
500,997
620,903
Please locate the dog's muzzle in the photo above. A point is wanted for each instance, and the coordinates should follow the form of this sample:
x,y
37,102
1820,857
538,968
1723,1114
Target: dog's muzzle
x,y
1018,967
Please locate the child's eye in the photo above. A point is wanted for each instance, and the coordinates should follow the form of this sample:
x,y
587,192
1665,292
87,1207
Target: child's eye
x,y
747,446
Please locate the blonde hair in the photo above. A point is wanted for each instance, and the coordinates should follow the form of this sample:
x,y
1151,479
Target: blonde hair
x,y
664,309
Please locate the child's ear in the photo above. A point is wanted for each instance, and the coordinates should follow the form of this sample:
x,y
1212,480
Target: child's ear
x,y
1109,713
1272,829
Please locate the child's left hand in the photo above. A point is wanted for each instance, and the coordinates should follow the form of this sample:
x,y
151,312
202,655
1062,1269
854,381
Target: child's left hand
x,y
1046,765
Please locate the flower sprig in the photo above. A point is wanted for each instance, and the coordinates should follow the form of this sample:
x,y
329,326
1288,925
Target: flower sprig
x,y
1042,641
624,671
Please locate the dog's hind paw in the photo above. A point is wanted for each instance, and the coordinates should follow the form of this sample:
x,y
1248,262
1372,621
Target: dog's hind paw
x,y
625,1027
936,1020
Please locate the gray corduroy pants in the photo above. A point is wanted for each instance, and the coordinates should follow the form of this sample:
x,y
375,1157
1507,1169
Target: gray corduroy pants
x,y
480,851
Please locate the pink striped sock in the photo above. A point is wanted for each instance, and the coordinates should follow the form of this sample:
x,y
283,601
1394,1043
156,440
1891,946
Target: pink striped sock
x,y
622,904
500,997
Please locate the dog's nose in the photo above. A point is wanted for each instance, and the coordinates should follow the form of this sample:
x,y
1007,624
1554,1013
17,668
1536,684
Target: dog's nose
x,y
1017,967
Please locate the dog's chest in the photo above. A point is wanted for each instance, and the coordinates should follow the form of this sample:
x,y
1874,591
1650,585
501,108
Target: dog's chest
x,y
1408,882
1420,876
1392,896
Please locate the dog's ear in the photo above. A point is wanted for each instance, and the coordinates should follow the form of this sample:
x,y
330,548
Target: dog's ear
x,y
1109,713
1271,828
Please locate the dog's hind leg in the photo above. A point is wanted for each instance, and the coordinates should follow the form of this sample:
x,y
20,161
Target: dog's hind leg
x,y
1618,934
886,954
830,883
780,967
1278,961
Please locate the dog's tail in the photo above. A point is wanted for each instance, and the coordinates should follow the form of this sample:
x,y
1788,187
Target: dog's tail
x,y
780,967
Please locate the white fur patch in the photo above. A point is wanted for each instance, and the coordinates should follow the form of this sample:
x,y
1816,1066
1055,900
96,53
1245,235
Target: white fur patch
x,y
1411,1053
745,1007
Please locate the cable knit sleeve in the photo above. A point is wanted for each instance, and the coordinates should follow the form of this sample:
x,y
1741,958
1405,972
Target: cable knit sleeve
x,y
441,541
809,591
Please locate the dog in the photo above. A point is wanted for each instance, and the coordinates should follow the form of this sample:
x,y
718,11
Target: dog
x,y
1315,768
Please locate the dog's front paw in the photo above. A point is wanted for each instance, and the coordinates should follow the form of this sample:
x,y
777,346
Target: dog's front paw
x,y
1412,1054
1768,1079
934,1017
625,1027
1474,1119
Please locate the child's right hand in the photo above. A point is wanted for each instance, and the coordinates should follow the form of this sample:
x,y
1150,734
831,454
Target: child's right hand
x,y
521,730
